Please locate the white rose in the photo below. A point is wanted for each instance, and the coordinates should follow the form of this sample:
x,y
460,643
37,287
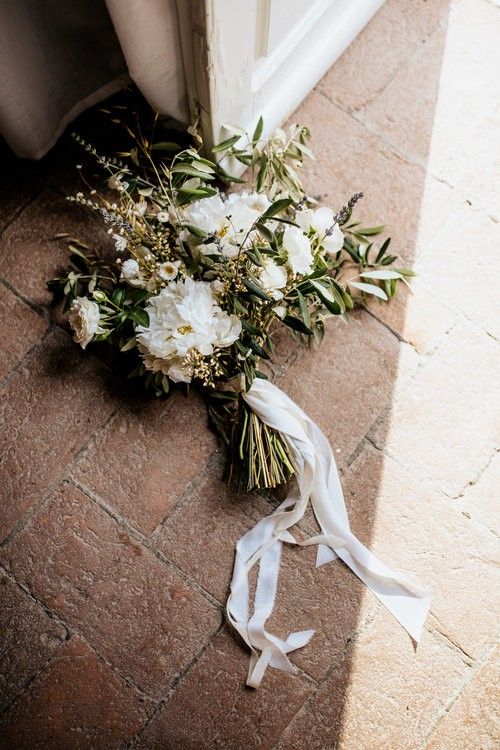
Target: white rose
x,y
84,320
273,278
298,249
172,367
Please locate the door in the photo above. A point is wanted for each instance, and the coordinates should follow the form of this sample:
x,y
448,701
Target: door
x,y
246,58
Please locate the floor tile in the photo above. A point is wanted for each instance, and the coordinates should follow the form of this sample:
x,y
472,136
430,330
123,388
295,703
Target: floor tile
x,y
145,459
77,702
221,712
49,408
30,638
137,612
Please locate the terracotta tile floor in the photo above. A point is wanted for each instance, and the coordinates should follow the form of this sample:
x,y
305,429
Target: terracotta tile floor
x,y
117,531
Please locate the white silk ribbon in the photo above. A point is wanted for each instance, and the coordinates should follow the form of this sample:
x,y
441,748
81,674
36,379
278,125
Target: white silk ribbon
x,y
317,479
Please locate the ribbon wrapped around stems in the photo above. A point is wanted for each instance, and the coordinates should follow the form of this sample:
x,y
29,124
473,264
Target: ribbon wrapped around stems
x,y
318,480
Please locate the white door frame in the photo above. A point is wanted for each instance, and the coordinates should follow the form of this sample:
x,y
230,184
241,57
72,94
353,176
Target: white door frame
x,y
233,75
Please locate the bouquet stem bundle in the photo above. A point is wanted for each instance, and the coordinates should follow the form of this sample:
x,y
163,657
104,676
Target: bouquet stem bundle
x,y
263,452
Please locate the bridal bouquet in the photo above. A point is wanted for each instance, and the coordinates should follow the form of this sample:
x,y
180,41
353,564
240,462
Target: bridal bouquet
x,y
200,282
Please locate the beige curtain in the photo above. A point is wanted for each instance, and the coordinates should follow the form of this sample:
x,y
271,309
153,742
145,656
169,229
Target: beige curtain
x,y
58,57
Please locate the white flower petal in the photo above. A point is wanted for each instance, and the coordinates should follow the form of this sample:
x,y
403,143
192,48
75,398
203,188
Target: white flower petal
x,y
298,249
334,241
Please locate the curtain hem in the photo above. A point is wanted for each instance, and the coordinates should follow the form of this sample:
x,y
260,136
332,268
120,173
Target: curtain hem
x,y
88,101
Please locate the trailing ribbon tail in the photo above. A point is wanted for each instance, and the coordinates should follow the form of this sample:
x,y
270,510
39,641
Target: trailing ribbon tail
x,y
317,479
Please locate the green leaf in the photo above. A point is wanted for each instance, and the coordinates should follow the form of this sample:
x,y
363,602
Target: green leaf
x,y
229,177
250,328
330,296
139,315
304,149
265,231
238,307
349,304
138,295
195,230
382,250
223,145
245,159
258,130
389,259
234,129
191,171
304,310
202,165
76,251
256,290
165,146
258,350
255,257
128,345
370,231
118,297
262,172
370,289
165,383
406,272
380,274
201,192
276,208
297,325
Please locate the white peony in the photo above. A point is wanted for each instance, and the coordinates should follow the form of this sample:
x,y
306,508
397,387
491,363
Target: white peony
x,y
321,221
229,220
298,249
84,320
184,317
273,278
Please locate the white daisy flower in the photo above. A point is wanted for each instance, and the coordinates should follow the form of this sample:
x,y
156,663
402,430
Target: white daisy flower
x,y
169,270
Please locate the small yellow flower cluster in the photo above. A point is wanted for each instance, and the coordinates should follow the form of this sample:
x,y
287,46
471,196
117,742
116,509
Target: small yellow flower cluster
x,y
206,369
